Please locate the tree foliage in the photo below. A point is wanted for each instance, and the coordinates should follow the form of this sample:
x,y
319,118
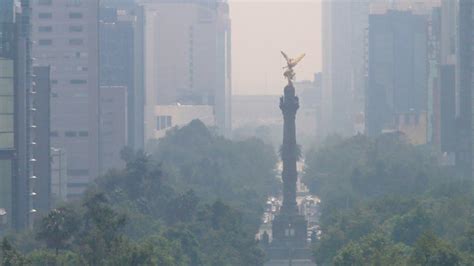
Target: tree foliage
x,y
194,199
383,200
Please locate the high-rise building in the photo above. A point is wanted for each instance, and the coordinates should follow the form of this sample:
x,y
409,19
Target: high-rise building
x,y
7,110
448,31
113,109
58,175
433,134
310,99
186,56
445,104
344,31
41,151
65,37
448,108
397,79
17,130
117,63
418,7
465,70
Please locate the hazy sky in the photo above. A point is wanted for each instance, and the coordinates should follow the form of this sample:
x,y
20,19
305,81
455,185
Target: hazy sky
x,y
260,29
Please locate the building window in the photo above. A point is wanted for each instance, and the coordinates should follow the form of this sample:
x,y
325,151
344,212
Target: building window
x,y
78,81
45,42
70,134
83,134
45,2
45,29
6,105
76,42
75,3
54,134
76,28
77,172
6,140
46,15
81,55
75,15
6,180
163,122
6,123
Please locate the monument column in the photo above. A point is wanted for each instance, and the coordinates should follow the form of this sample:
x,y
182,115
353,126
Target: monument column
x,y
289,228
289,105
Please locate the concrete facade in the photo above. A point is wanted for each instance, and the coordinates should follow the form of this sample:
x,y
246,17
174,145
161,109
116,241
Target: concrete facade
x,y
344,31
16,127
465,83
398,71
448,108
113,126
186,56
42,200
170,116
65,37
117,63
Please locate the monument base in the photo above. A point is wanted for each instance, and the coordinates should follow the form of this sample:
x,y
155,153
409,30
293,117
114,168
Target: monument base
x,y
290,230
289,241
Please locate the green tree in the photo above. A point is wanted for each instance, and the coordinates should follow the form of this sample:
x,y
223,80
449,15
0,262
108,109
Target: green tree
x,y
101,232
58,227
10,256
196,199
410,226
430,250
46,257
373,249
182,208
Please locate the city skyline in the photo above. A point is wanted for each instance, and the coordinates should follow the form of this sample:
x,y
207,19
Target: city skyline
x,y
174,132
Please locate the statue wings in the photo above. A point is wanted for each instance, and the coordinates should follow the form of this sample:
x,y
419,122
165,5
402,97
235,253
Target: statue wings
x,y
285,56
292,62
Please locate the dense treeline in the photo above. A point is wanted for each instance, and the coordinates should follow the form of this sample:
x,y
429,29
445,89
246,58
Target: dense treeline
x,y
195,199
386,202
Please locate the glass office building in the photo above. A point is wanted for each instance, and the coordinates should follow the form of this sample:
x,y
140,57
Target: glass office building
x,y
6,139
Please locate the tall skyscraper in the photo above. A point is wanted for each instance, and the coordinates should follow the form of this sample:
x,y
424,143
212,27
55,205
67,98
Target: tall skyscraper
x,y
448,108
433,133
344,31
465,69
41,151
447,80
7,110
397,79
186,55
448,31
17,129
65,37
117,62
113,109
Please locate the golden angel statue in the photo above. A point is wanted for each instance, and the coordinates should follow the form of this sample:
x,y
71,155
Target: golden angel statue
x,y
291,63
